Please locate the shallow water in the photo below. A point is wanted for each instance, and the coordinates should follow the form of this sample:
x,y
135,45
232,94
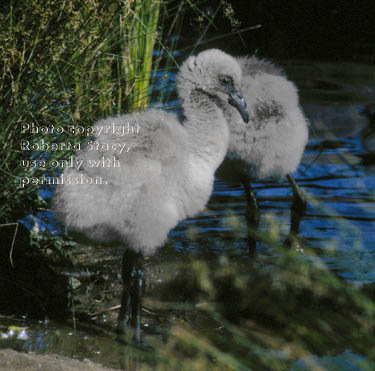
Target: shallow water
x,y
337,171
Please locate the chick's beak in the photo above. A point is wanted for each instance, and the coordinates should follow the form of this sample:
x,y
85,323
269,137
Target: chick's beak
x,y
237,100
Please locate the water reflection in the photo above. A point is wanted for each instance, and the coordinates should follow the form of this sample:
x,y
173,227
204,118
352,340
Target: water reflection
x,y
368,134
79,344
340,178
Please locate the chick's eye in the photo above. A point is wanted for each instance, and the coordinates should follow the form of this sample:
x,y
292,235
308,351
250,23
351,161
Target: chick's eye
x,y
226,80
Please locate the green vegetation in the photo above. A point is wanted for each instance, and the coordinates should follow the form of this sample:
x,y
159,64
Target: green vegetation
x,y
288,308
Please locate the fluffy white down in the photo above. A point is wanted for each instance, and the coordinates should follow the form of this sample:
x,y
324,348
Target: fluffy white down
x,y
156,181
167,174
272,143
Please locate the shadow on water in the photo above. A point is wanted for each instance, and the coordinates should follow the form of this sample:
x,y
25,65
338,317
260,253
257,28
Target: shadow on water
x,y
337,171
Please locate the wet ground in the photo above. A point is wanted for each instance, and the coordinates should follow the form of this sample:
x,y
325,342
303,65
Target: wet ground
x,y
337,171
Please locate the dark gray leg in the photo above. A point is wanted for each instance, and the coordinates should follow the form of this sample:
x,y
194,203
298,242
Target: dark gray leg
x,y
298,210
131,301
252,217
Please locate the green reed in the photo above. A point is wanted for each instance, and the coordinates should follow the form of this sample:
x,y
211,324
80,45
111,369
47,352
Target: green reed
x,y
142,35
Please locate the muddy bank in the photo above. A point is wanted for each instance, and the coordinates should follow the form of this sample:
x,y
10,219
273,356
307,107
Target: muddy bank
x,y
11,360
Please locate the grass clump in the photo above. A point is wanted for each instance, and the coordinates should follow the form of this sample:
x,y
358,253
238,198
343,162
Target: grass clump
x,y
269,317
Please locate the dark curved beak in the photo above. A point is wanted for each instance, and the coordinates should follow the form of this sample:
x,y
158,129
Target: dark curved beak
x,y
237,100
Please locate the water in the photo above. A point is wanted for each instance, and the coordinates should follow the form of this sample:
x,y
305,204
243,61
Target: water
x,y
341,175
